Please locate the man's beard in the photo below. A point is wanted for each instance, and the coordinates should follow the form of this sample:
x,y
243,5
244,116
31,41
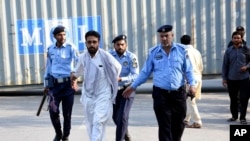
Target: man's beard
x,y
237,43
166,44
92,50
120,52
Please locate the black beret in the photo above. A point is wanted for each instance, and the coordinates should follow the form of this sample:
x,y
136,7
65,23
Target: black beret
x,y
119,37
165,28
59,29
240,28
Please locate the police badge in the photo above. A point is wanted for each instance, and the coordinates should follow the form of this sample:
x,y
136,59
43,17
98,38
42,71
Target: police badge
x,y
134,63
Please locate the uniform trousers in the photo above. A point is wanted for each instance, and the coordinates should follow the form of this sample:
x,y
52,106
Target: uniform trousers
x,y
62,92
170,110
234,87
121,110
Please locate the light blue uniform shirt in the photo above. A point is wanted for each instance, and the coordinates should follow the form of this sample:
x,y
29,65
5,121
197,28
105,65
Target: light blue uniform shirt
x,y
169,71
60,61
130,66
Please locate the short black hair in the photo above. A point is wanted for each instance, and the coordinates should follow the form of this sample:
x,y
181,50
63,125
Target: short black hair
x,y
237,33
185,39
92,33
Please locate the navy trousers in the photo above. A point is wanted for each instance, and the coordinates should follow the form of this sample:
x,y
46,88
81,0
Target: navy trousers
x,y
62,92
170,110
120,116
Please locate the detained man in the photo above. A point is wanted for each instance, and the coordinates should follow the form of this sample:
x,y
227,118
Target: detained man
x,y
100,73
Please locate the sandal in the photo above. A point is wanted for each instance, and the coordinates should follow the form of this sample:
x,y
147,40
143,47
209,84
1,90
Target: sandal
x,y
194,125
232,119
243,121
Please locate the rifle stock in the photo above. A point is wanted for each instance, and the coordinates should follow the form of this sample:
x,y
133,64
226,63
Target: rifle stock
x,y
41,105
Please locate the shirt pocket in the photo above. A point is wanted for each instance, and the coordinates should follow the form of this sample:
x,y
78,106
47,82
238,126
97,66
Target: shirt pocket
x,y
65,54
159,64
176,63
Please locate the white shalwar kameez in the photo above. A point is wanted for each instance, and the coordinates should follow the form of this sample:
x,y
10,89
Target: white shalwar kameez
x,y
196,61
97,96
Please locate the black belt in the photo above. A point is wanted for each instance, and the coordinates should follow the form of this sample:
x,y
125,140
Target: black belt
x,y
61,80
180,89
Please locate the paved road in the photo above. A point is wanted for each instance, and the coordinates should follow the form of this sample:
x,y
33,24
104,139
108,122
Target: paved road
x,y
18,120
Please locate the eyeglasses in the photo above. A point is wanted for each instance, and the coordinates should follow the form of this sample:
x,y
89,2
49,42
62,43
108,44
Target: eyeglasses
x,y
90,42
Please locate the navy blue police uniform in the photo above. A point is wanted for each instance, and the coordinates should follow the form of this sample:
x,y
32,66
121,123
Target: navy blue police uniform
x,y
59,64
122,106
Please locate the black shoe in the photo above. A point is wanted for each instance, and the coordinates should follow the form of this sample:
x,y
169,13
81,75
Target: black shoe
x,y
65,138
127,137
57,138
231,119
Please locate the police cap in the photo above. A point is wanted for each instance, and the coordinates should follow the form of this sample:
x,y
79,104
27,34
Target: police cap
x,y
240,28
59,29
119,37
165,28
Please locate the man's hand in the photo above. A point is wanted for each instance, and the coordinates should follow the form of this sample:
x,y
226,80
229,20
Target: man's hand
x,y
46,90
224,83
72,76
74,85
119,79
127,92
192,89
243,69
73,80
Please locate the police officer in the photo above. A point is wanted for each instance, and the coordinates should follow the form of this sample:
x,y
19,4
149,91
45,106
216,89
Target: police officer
x,y
60,59
170,65
130,71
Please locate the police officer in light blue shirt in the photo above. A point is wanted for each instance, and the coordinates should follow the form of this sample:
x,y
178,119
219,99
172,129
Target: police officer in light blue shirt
x,y
61,57
130,71
170,66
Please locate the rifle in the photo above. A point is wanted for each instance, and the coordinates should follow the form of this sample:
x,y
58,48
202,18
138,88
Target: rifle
x,y
41,104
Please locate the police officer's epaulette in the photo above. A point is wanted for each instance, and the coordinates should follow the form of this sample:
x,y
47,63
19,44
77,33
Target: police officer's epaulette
x,y
181,46
152,49
112,51
70,44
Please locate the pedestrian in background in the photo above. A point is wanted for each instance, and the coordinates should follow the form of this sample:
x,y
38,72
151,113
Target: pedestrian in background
x,y
100,72
235,75
170,65
61,57
241,30
196,61
130,70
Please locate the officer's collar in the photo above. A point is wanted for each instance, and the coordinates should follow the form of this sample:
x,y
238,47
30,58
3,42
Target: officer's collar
x,y
124,54
63,45
172,47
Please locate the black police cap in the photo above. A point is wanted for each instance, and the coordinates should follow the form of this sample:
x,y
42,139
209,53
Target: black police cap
x,y
240,28
59,29
165,28
119,37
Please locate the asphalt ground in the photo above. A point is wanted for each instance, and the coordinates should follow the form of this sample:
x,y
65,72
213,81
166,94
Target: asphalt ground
x,y
18,120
